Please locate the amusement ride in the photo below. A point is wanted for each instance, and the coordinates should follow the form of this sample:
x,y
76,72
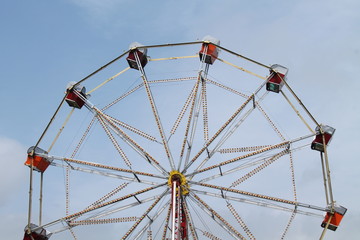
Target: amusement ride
x,y
181,141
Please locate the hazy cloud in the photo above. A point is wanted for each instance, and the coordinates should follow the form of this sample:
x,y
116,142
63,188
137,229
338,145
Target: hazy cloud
x,y
12,188
12,154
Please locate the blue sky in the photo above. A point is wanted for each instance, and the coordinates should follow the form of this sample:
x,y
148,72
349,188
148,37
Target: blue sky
x,y
46,44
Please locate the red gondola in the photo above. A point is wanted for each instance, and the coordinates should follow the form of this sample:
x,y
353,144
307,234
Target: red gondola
x,y
36,156
76,95
210,51
276,79
317,144
140,52
39,234
339,212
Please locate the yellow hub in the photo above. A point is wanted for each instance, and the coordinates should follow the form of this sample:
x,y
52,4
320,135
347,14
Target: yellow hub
x,y
178,176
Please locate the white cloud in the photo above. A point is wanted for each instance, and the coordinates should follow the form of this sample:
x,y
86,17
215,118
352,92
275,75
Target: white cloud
x,y
13,182
14,173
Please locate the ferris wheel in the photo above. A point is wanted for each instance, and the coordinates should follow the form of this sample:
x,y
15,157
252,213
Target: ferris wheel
x,y
181,141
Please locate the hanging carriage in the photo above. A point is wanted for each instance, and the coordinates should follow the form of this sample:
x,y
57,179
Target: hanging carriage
x,y
75,95
276,79
137,56
209,52
324,135
37,159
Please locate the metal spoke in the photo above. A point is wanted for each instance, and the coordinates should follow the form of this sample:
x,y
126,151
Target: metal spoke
x,y
112,202
166,226
131,142
258,106
229,132
219,219
279,145
151,221
257,202
133,129
241,157
183,110
155,112
143,216
190,118
218,132
189,220
259,168
260,196
102,221
253,162
210,236
115,143
106,174
205,113
240,221
98,165
288,225
134,204
227,88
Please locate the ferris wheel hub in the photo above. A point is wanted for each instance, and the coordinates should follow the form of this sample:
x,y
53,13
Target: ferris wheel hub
x,y
181,179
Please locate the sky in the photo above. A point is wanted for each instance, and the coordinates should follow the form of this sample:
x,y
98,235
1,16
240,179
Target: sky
x,y
46,44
